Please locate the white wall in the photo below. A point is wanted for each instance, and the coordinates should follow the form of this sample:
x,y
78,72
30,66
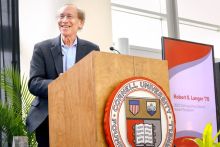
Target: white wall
x,y
37,20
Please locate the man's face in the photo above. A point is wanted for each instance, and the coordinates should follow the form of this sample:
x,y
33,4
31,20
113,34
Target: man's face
x,y
68,21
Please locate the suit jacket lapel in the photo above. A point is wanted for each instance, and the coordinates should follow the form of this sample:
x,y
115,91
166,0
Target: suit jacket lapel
x,y
80,50
57,55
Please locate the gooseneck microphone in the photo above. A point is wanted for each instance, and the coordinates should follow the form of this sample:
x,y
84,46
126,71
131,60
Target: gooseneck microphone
x,y
113,49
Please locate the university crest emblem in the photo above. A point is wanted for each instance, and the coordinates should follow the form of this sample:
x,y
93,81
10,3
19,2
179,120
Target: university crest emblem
x,y
138,114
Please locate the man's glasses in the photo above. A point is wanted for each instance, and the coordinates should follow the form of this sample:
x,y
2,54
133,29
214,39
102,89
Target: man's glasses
x,y
67,16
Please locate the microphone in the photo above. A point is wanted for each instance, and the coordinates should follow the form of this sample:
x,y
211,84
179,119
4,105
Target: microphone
x,y
113,49
61,53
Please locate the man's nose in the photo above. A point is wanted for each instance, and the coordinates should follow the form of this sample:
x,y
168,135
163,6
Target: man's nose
x,y
65,18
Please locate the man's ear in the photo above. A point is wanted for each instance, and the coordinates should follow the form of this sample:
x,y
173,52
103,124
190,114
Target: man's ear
x,y
81,24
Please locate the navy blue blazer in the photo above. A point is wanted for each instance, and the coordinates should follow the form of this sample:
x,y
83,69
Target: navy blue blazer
x,y
46,65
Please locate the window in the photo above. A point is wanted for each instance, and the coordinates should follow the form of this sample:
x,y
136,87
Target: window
x,y
142,22
200,23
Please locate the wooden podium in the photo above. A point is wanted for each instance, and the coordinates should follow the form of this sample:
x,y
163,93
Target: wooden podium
x,y
77,98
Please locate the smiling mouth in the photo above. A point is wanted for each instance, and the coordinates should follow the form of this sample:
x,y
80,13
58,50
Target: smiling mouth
x,y
65,26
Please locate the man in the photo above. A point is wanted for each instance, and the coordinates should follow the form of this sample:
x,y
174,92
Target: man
x,y
50,59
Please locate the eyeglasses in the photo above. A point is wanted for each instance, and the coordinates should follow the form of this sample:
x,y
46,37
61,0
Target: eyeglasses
x,y
67,16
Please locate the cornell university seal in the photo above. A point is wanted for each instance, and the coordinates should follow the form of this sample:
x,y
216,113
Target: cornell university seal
x,y
139,114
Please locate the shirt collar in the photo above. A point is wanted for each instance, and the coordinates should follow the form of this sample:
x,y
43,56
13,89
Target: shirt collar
x,y
74,43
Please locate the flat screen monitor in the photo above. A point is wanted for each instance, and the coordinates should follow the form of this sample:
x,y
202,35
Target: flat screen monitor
x,y
192,85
